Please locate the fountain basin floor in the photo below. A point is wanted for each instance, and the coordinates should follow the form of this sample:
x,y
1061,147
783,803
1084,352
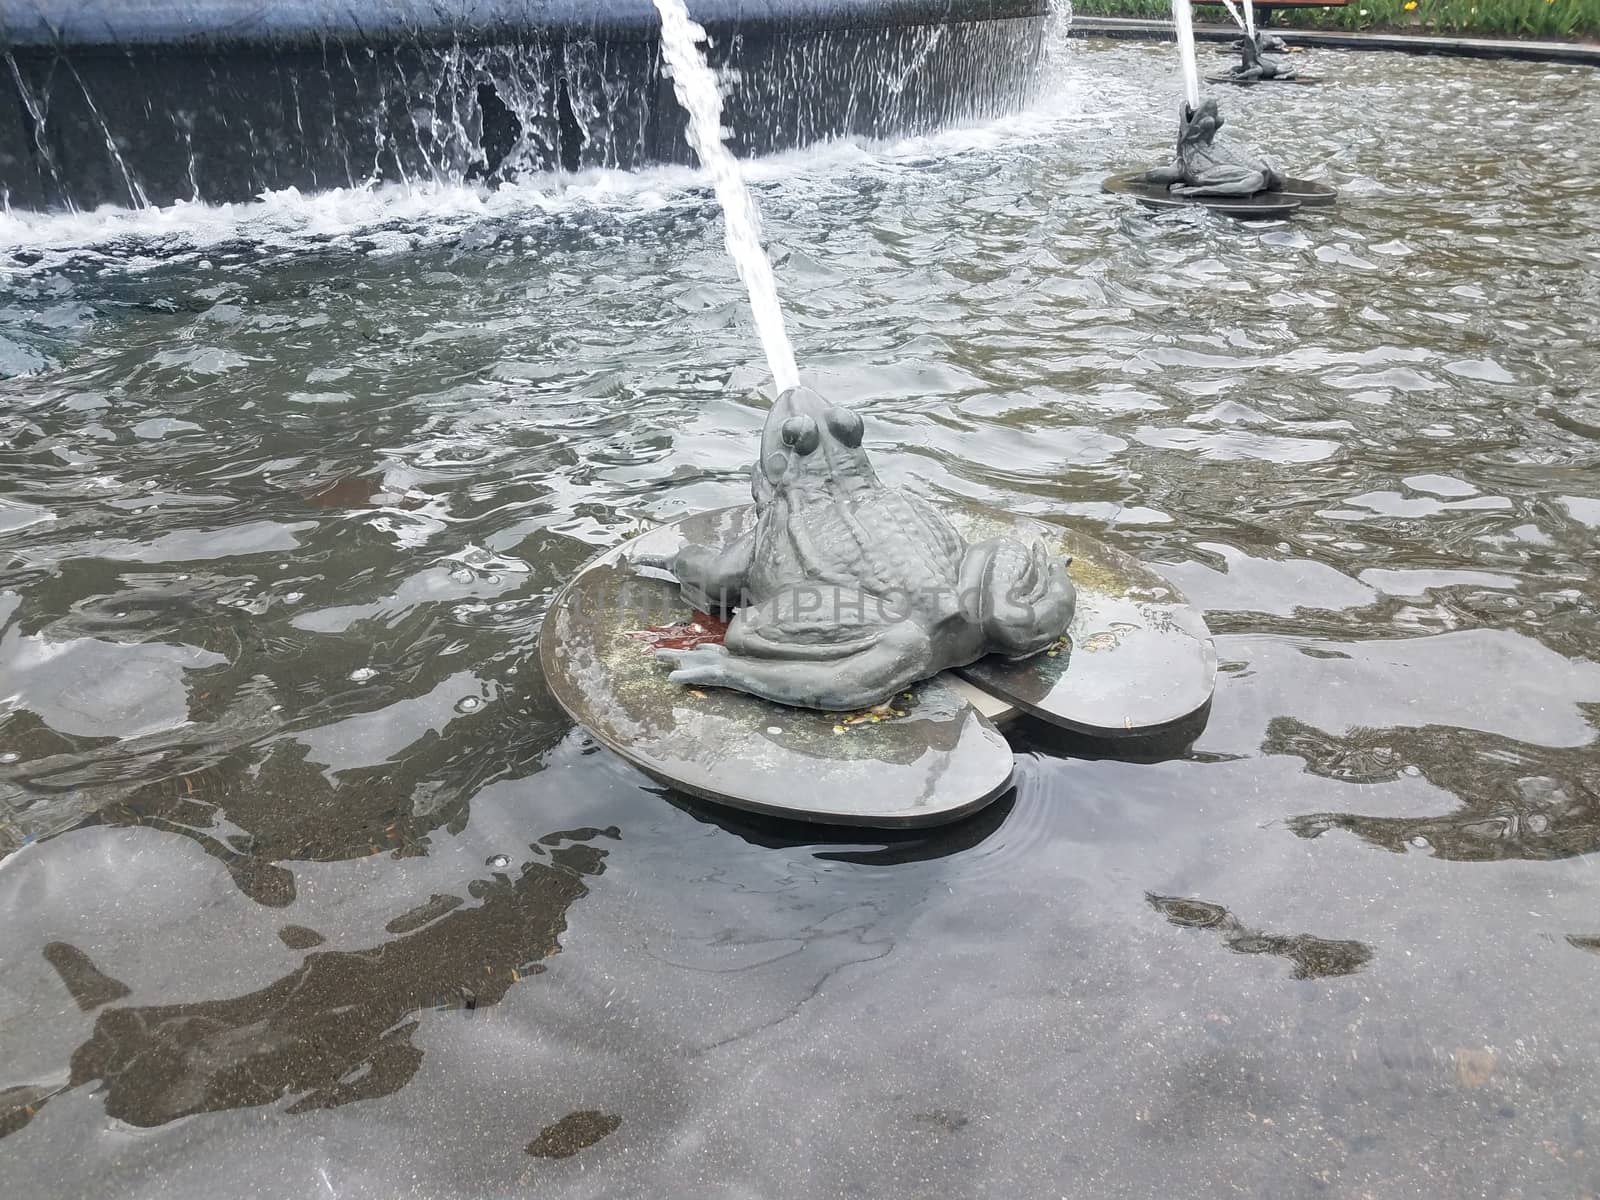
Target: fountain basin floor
x,y
288,488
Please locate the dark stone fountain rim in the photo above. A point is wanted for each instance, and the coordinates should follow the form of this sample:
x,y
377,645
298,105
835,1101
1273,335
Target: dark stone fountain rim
x,y
218,25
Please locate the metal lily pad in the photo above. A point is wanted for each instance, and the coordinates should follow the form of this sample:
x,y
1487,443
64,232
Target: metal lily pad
x,y
1137,659
1260,206
927,757
1252,82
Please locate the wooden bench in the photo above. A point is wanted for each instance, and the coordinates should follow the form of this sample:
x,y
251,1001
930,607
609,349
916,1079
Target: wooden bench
x,y
1265,10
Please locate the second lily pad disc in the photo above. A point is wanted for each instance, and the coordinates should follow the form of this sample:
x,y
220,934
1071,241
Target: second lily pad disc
x,y
1137,658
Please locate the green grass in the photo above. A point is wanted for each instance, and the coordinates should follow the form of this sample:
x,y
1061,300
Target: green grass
x,y
1558,19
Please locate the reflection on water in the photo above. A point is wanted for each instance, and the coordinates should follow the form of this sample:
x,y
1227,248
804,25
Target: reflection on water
x,y
1517,800
882,847
340,1027
1312,957
88,987
574,1132
285,492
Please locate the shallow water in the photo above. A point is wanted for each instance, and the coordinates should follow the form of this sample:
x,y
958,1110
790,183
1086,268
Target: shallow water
x,y
287,490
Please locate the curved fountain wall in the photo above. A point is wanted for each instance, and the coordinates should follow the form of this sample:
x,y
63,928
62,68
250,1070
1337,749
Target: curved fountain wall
x,y
136,102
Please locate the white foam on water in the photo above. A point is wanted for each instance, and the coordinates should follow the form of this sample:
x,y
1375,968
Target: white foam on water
x,y
401,217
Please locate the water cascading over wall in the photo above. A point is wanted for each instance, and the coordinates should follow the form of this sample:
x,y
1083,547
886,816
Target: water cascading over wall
x,y
135,102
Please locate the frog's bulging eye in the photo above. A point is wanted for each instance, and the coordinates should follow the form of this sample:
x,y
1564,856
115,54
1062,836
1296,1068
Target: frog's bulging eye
x,y
846,426
801,433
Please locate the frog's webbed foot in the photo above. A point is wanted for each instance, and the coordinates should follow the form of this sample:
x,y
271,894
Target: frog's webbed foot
x,y
897,659
1019,595
703,666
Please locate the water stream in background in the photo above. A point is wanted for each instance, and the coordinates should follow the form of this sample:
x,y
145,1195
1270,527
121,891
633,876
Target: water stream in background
x,y
696,89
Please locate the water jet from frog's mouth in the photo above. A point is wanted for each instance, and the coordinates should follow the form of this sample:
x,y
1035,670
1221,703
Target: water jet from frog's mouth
x,y
222,100
696,88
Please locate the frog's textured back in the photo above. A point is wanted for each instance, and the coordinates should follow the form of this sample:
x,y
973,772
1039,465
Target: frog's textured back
x,y
886,543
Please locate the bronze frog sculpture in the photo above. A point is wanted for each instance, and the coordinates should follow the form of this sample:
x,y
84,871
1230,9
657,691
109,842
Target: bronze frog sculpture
x,y
1257,66
848,590
1203,168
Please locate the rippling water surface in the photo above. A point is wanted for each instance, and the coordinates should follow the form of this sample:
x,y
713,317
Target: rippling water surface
x,y
311,890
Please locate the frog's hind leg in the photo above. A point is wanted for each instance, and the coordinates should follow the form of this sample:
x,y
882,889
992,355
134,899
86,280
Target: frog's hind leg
x,y
898,657
1018,595
814,623
1247,184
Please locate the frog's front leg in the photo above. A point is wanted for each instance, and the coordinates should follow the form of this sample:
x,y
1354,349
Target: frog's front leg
x,y
1019,596
711,578
1164,176
895,660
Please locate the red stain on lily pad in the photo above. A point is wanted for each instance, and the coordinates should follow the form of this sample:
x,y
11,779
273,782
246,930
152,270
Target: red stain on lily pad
x,y
702,630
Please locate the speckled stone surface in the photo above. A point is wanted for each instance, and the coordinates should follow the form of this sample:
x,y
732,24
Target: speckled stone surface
x,y
927,757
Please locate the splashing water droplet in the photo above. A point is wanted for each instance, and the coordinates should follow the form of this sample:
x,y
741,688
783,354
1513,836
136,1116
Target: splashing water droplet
x,y
294,597
491,578
1421,843
1538,823
499,861
362,674
461,575
468,704
10,756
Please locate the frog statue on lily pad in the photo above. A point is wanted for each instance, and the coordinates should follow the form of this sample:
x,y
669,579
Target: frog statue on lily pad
x,y
1204,168
1254,65
847,590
